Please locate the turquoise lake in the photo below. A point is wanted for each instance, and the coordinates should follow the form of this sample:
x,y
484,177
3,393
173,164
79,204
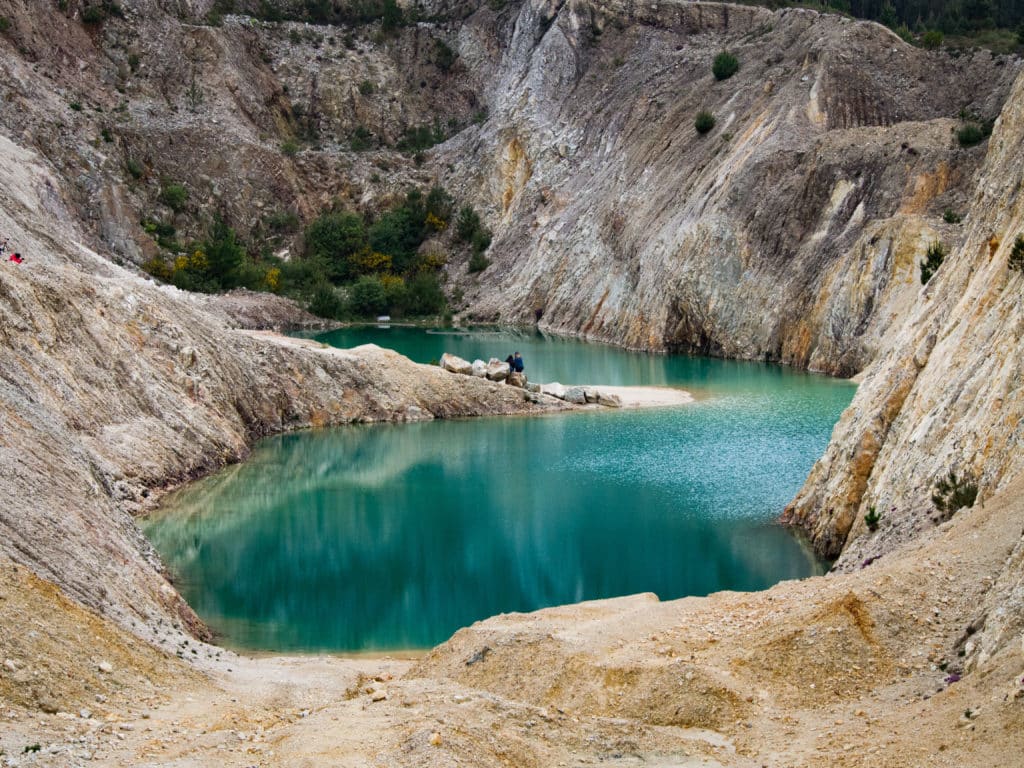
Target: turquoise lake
x,y
387,537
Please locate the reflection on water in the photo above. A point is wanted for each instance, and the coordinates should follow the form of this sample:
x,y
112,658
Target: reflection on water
x,y
385,537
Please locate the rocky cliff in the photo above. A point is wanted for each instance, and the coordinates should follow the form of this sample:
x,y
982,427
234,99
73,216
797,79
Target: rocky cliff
x,y
789,232
947,393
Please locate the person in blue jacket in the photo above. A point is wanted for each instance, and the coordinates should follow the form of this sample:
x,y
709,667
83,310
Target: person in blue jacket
x,y
517,363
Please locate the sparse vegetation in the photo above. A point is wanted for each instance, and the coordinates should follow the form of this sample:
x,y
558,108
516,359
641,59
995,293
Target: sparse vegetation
x,y
970,134
932,39
871,519
174,196
444,56
289,147
1016,258
704,122
953,493
134,168
5,25
366,87
932,260
725,66
951,217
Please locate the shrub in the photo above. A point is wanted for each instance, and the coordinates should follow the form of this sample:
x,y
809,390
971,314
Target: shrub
x,y
94,14
932,260
725,66
872,518
392,17
481,240
932,39
174,196
107,135
367,87
971,134
282,221
704,122
325,301
5,25
951,217
134,168
289,148
466,224
953,493
367,297
478,262
444,56
76,106
361,139
1016,259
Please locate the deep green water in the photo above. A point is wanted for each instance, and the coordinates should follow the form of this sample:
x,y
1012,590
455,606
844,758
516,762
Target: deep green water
x,y
394,536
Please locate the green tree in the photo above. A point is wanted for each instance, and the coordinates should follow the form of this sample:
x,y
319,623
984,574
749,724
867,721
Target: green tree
x,y
223,253
367,297
332,240
392,17
424,295
932,39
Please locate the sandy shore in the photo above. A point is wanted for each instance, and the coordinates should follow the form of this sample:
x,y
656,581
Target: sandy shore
x,y
647,397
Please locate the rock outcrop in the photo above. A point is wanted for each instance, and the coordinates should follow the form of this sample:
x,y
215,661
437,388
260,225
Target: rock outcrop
x,y
947,394
791,232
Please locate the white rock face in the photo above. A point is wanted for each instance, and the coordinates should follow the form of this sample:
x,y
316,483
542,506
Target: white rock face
x,y
479,369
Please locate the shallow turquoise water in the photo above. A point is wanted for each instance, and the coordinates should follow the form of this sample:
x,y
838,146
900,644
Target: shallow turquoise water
x,y
394,536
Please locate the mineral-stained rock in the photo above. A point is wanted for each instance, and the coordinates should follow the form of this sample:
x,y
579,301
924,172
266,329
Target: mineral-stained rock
x,y
456,364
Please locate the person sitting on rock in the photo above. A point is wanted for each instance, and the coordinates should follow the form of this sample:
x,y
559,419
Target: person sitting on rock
x,y
16,258
511,362
517,363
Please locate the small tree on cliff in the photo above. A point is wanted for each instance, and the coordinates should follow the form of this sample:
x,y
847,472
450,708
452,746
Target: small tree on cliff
x,y
933,259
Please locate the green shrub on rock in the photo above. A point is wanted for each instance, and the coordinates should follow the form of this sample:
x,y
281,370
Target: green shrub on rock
x,y
1016,259
725,66
953,493
933,259
704,122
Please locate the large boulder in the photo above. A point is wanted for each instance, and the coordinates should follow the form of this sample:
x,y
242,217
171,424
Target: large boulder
x,y
554,389
609,400
531,386
497,370
456,364
575,395
479,369
591,394
516,379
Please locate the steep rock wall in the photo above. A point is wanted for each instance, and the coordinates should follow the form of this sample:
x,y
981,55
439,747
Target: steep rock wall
x,y
790,232
947,395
